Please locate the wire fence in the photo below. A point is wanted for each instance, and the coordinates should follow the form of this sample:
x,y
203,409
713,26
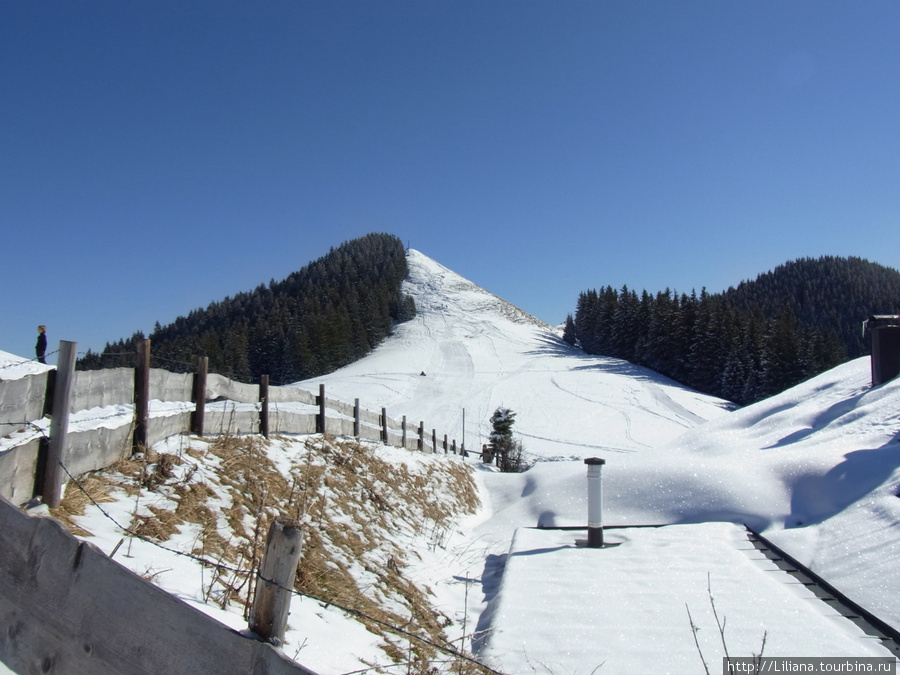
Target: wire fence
x,y
255,574
18,361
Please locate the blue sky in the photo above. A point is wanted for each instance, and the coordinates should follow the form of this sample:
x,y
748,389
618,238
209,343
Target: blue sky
x,y
158,156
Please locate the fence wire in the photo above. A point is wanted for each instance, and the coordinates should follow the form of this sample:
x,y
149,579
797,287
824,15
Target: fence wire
x,y
450,651
20,361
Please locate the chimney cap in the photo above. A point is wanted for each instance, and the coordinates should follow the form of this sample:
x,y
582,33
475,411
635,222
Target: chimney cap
x,y
594,460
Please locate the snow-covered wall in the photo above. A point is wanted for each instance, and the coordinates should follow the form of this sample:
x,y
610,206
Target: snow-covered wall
x,y
101,427
166,386
17,471
21,400
99,388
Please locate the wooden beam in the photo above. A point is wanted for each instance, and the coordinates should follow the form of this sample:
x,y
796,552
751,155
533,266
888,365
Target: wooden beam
x,y
59,427
272,601
141,396
264,405
198,395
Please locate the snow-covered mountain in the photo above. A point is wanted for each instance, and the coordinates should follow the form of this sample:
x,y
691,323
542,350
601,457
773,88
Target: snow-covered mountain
x,y
815,467
468,352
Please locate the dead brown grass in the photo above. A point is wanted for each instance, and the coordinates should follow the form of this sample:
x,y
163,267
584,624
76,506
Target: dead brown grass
x,y
331,484
372,491
93,488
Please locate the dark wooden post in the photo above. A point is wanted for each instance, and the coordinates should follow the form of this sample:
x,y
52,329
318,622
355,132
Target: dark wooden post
x,y
462,449
141,397
59,425
454,446
384,426
356,417
434,441
40,467
445,444
48,392
272,600
320,418
420,444
264,405
198,396
403,442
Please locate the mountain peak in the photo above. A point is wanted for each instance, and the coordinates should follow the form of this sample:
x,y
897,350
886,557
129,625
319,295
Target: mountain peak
x,y
434,288
467,352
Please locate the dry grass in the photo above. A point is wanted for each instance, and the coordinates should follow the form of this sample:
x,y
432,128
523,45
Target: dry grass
x,y
374,492
92,488
330,483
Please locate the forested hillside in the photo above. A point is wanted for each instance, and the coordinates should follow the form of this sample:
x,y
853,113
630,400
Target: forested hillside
x,y
749,342
832,293
330,313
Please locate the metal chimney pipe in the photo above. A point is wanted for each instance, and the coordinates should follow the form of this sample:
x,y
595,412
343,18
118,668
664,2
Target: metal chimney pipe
x,y
595,501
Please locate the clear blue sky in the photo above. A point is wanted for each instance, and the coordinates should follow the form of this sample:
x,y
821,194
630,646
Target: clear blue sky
x,y
158,156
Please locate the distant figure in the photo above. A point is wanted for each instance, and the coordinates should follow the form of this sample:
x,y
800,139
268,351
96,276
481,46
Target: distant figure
x,y
486,455
41,347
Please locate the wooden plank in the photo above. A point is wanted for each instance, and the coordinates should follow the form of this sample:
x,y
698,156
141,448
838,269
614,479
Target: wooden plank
x,y
320,421
198,396
141,395
67,608
264,402
59,427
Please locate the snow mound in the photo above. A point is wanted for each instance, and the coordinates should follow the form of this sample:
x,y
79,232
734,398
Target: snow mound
x,y
14,367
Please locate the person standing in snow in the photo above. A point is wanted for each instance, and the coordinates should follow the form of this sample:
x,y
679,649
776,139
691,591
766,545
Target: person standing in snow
x,y
41,347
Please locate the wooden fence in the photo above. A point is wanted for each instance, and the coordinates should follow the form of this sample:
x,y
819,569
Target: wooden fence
x,y
211,404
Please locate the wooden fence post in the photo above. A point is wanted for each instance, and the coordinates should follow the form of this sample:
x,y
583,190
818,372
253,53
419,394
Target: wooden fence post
x,y
434,441
141,396
198,395
40,467
445,444
272,600
454,446
384,426
420,444
264,407
356,417
403,442
59,425
320,418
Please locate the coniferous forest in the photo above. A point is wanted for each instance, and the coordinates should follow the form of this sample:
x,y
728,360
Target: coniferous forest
x,y
744,344
749,342
330,313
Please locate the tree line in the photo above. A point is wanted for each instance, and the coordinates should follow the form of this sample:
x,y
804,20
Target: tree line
x,y
749,342
332,312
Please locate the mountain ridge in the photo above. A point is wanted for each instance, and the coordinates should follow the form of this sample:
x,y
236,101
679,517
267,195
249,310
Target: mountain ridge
x,y
468,347
748,343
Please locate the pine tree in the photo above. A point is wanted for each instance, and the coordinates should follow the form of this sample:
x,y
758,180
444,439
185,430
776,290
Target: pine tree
x,y
568,335
503,446
330,313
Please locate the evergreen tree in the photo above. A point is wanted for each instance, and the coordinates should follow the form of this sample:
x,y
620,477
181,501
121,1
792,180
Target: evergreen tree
x,y
568,335
330,313
503,446
749,342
